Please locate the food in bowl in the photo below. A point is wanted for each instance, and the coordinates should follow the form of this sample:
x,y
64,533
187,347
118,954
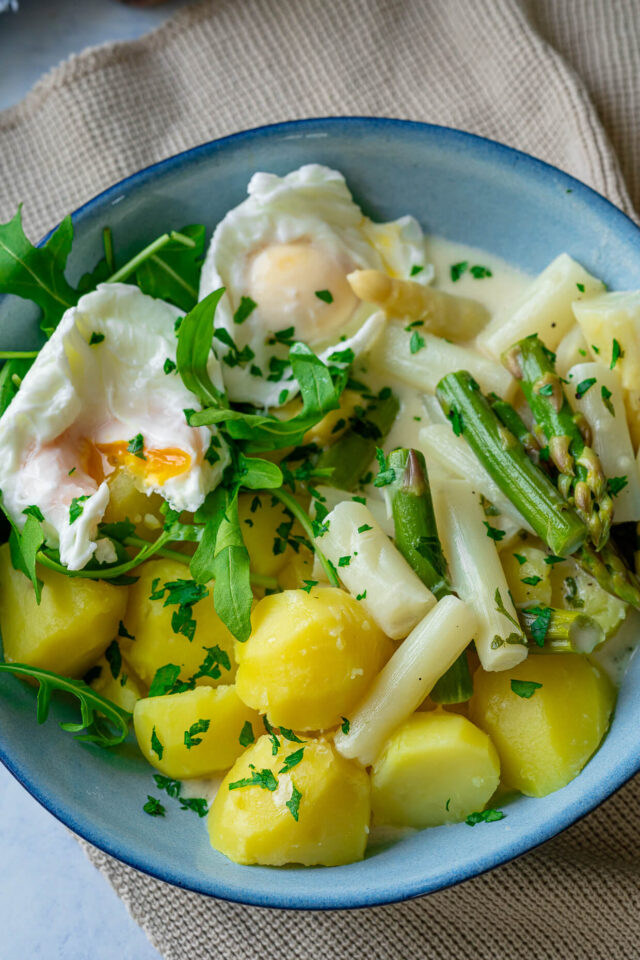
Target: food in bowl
x,y
342,518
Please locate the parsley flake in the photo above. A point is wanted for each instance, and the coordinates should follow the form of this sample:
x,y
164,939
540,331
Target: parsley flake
x,y
325,295
583,386
616,353
309,585
553,559
156,746
484,816
580,287
96,338
292,760
361,596
531,581
456,421
415,270
293,805
540,625
198,804
247,735
136,446
364,528
416,342
169,365
520,558
171,787
190,736
457,269
345,726
259,778
616,484
344,561
494,532
606,399
76,508
153,807
525,688
245,309
479,273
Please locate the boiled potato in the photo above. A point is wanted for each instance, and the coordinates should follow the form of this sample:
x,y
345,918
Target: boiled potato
x,y
532,568
165,726
126,502
435,768
310,657
265,529
73,625
318,813
156,643
609,317
125,689
297,570
544,741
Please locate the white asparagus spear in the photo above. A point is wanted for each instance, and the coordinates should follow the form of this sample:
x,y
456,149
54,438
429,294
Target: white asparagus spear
x,y
424,369
455,457
611,438
477,575
374,571
544,308
407,678
572,349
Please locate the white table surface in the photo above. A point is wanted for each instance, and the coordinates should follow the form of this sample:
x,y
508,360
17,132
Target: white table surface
x,y
53,904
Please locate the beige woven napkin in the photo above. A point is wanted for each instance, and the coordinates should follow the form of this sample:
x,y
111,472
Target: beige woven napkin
x,y
527,72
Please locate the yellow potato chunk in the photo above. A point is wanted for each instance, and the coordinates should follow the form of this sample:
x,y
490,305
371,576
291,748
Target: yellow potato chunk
x,y
521,563
73,625
316,813
310,657
265,529
193,734
435,768
125,689
545,740
156,642
126,502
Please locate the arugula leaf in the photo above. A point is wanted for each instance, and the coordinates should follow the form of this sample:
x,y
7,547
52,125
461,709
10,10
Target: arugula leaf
x,y
103,722
173,273
24,545
195,337
257,474
233,596
319,395
37,273
210,513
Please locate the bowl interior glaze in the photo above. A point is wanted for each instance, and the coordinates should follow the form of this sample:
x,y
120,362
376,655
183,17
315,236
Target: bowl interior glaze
x,y
463,188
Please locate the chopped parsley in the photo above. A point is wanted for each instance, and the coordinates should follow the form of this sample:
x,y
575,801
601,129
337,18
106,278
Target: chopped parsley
x,y
415,270
606,399
494,532
293,805
616,484
283,397
457,269
479,273
361,596
198,804
309,585
583,386
580,287
156,746
416,343
524,688
171,787
114,658
540,625
76,508
456,421
184,594
616,353
364,528
245,309
247,735
531,581
190,736
95,338
34,511
169,366
572,597
553,559
345,726
275,743
520,558
259,778
235,356
123,632
500,607
484,816
292,760
153,807
325,295
136,446
546,390
344,561
342,356
386,474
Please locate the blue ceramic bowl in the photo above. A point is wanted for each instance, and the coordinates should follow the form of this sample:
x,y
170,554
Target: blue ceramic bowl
x,y
463,188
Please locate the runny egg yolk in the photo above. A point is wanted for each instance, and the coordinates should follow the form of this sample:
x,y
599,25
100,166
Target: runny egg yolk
x,y
153,467
284,280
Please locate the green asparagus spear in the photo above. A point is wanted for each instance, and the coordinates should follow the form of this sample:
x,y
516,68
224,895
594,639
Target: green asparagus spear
x,y
505,459
351,455
568,631
582,481
512,420
608,567
416,537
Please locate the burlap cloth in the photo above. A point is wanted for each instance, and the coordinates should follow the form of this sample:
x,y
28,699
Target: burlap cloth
x,y
558,78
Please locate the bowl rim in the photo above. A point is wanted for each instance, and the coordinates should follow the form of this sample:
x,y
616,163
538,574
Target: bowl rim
x,y
481,863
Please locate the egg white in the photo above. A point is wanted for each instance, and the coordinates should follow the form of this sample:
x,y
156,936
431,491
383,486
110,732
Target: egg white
x,y
309,222
105,393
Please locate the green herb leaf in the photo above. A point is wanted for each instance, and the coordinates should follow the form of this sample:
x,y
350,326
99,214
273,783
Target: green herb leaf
x,y
292,760
309,585
572,597
114,658
290,735
233,596
580,287
164,680
194,349
173,272
616,484
12,371
520,558
364,528
244,310
546,390
531,581
484,816
156,746
457,269
76,509
361,596
494,532
136,446
525,688
479,273
325,296
500,607
190,736
415,269
247,735
456,421
169,366
198,804
259,778
616,354
293,805
552,559
583,386
342,356
37,273
540,625
171,787
95,338
102,721
345,725
416,342
606,399
153,807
